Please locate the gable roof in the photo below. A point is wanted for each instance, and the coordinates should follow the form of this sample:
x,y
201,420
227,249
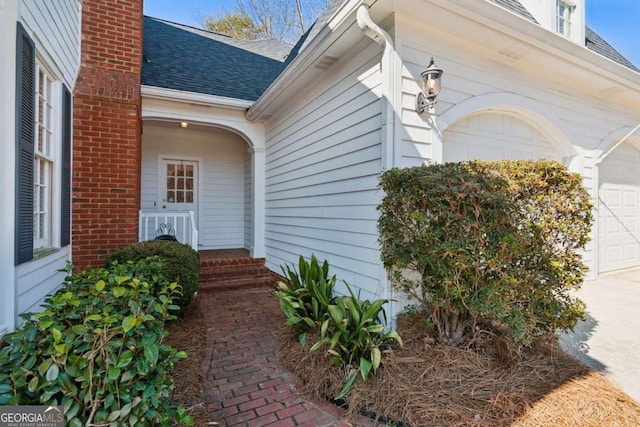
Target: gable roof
x,y
516,7
184,58
181,57
597,44
593,41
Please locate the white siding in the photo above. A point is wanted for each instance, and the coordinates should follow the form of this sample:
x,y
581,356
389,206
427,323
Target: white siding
x,y
322,166
55,28
221,208
38,278
8,13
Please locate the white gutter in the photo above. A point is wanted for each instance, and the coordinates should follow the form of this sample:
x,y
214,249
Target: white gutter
x,y
153,92
388,71
616,145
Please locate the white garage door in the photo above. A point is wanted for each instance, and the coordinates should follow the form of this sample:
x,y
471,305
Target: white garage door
x,y
495,136
619,210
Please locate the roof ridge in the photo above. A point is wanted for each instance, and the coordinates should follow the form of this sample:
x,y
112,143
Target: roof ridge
x,y
204,30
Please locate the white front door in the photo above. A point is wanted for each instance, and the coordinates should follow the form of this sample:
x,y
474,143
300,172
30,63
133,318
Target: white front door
x,y
178,186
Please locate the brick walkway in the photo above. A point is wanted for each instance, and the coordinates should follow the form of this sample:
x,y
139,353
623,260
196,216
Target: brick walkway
x,y
244,384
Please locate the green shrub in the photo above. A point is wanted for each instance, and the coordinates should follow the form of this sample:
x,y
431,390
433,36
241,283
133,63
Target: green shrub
x,y
97,350
348,327
182,264
355,336
499,240
306,298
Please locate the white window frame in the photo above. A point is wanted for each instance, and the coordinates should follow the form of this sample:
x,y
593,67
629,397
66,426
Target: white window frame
x,y
564,15
47,160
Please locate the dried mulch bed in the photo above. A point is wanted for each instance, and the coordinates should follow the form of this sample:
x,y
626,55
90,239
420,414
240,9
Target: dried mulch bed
x,y
488,382
485,383
190,334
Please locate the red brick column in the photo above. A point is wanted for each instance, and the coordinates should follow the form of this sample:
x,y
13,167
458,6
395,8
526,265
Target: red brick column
x,y
107,128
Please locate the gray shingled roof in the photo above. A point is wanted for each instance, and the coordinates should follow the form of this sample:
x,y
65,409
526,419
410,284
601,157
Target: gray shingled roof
x,y
179,57
185,58
597,44
593,41
516,7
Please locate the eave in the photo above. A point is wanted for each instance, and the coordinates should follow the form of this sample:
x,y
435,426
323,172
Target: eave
x,y
194,98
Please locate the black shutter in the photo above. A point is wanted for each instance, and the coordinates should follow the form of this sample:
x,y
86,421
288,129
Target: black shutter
x,y
25,119
65,226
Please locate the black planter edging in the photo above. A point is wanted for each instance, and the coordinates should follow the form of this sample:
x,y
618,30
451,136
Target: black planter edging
x,y
341,403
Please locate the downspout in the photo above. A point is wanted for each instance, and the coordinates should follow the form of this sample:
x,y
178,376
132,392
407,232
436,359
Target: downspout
x,y
388,72
387,129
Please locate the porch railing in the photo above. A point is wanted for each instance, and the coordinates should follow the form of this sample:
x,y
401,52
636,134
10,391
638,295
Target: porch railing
x,y
182,225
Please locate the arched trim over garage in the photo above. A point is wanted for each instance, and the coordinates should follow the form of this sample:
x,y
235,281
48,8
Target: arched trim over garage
x,y
616,138
524,108
160,104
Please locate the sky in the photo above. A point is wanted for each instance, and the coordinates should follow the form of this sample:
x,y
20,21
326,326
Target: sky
x,y
616,21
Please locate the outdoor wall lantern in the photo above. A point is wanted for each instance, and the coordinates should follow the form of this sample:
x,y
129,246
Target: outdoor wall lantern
x,y
430,89
183,125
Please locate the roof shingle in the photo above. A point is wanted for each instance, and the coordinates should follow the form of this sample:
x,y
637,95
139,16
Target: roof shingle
x,y
185,58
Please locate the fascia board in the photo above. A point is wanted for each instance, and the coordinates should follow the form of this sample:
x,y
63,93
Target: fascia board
x,y
521,29
154,92
344,16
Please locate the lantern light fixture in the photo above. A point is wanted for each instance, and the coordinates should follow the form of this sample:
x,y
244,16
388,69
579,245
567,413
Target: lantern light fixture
x,y
430,87
183,125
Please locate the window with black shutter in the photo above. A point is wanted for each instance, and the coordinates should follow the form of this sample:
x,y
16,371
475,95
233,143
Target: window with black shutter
x,y
25,118
65,215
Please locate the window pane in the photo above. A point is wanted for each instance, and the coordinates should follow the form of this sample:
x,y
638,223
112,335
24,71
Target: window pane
x,y
189,196
46,138
189,170
171,198
180,198
180,184
171,170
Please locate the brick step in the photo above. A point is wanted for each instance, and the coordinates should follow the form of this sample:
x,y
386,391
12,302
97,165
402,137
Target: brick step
x,y
236,283
216,263
228,272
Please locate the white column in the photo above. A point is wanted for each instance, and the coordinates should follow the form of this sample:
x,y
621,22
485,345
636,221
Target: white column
x,y
258,201
8,19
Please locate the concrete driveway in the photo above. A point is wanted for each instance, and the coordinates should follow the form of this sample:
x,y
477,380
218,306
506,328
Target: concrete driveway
x,y
609,339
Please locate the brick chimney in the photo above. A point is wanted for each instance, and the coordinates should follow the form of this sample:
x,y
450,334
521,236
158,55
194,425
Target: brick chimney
x,y
107,128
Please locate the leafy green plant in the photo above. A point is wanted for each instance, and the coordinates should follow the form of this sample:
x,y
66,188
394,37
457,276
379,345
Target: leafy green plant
x,y
96,349
355,336
181,264
307,296
498,240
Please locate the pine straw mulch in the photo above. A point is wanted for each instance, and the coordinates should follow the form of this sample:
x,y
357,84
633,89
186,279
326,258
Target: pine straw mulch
x,y
486,383
189,334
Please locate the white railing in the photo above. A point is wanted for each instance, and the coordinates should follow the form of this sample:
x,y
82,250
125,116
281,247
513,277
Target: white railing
x,y
181,224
